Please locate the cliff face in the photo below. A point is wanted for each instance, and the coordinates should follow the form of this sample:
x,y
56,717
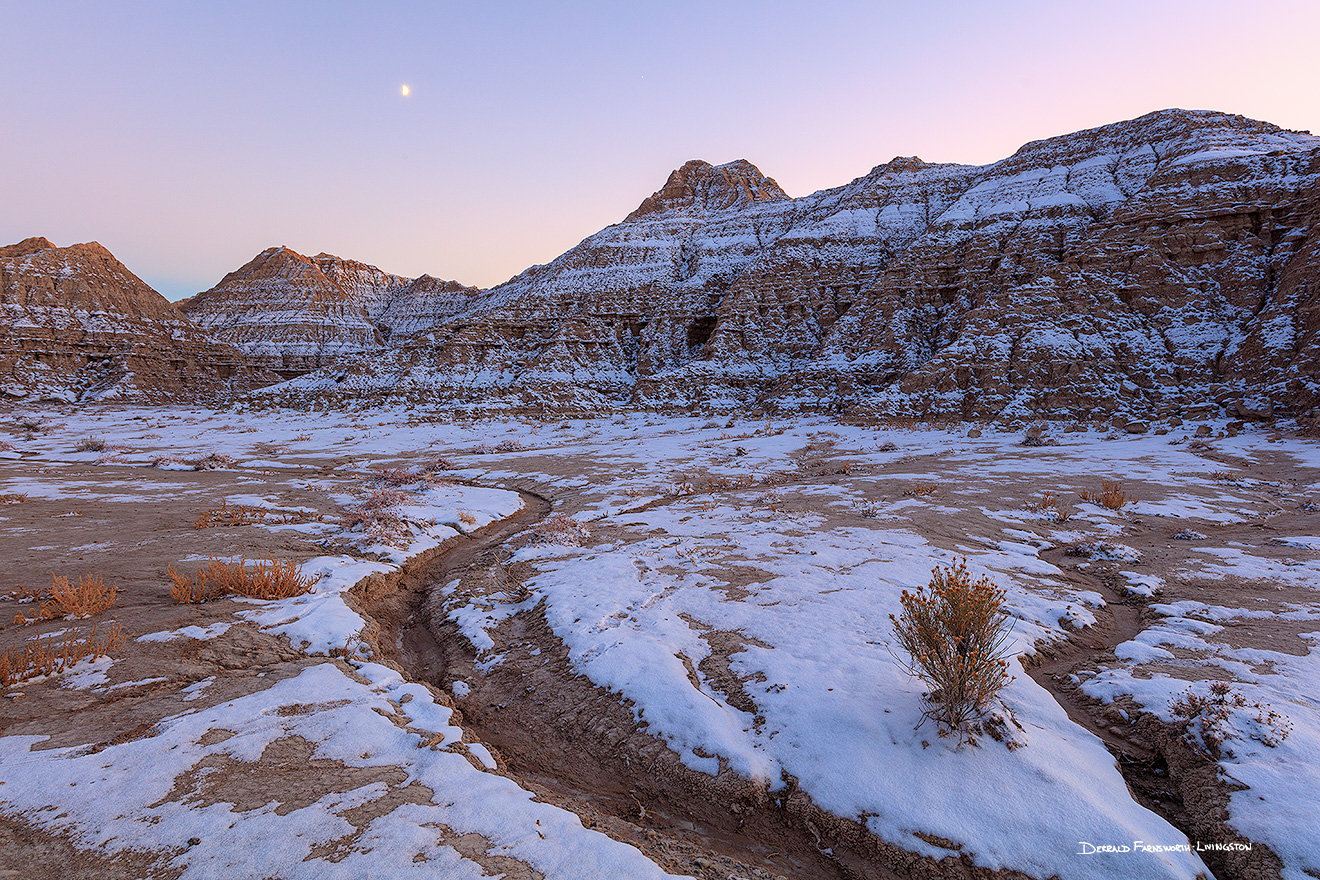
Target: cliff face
x,y
297,313
79,326
1159,265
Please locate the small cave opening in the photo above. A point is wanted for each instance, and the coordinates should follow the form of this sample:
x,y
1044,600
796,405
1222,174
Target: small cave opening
x,y
700,331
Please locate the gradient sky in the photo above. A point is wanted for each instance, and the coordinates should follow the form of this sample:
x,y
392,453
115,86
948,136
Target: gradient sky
x,y
188,136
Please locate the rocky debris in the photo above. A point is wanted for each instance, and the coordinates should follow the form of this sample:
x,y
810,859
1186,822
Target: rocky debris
x,y
1160,266
79,326
295,313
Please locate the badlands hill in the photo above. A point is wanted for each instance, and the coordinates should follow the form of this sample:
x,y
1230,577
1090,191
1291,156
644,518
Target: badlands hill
x,y
1166,265
79,326
298,313
1162,265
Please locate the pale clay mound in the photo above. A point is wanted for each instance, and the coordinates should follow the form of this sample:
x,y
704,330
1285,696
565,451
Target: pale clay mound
x,y
689,684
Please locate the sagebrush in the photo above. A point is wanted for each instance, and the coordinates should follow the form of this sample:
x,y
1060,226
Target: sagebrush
x,y
953,632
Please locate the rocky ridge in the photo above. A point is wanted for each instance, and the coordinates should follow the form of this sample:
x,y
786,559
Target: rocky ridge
x,y
80,327
1162,265
296,313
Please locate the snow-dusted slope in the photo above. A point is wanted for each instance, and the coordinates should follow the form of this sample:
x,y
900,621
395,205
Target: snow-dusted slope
x,y
78,325
1156,265
300,312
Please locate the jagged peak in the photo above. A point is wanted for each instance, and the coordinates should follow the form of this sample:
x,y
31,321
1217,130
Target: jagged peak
x,y
27,246
697,183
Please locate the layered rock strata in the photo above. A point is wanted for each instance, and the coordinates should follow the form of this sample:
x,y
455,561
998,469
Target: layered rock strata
x,y
295,313
1161,265
79,327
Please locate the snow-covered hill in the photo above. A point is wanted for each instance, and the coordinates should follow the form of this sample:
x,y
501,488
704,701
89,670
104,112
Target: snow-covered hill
x,y
1160,265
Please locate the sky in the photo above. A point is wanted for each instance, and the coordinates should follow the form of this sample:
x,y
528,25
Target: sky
x,y
188,137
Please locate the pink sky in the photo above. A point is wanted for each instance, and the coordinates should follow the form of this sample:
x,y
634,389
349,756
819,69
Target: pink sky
x,y
188,137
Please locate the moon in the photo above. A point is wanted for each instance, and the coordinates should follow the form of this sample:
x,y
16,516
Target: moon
x,y
405,91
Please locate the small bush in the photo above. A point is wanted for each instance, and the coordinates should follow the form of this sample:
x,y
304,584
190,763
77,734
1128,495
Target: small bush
x,y
1111,496
271,579
1206,721
396,477
378,515
91,444
214,461
55,653
920,490
1048,501
560,529
443,463
502,446
12,497
90,596
467,518
953,633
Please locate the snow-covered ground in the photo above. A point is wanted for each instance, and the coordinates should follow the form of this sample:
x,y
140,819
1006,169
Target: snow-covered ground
x,y
798,552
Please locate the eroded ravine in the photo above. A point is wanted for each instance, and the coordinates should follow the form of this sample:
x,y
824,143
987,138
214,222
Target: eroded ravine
x,y
1163,772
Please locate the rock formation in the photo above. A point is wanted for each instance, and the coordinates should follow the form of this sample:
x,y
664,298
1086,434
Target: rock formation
x,y
1161,265
296,313
79,326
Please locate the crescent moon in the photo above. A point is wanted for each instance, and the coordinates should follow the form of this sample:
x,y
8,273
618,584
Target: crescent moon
x,y
405,91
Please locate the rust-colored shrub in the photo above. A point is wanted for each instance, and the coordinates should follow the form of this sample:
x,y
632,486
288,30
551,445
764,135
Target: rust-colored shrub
x,y
91,444
270,579
953,633
90,596
919,490
1111,495
55,653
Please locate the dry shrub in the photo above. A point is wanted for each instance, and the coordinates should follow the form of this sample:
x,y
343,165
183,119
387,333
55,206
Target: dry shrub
x,y
1111,495
396,477
918,490
90,596
560,528
245,514
1206,721
302,438
270,579
12,497
214,461
443,463
378,515
6,446
55,653
467,518
91,444
953,633
1048,501
502,446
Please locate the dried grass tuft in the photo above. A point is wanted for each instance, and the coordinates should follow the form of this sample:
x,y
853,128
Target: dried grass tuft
x,y
12,497
270,579
920,490
1111,495
55,653
91,444
90,596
